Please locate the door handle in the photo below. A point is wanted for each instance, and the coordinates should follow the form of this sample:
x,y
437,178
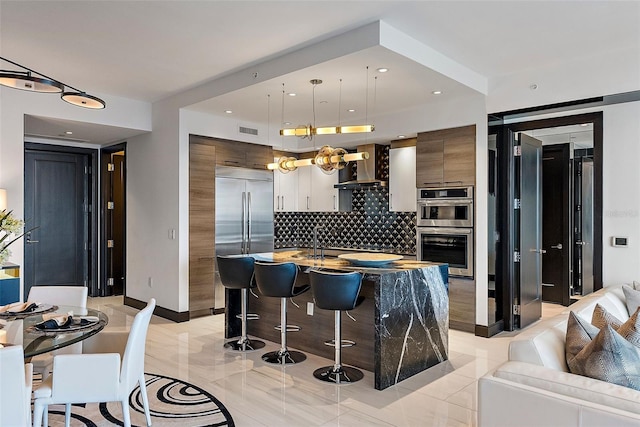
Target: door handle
x,y
243,245
582,243
540,251
390,201
278,204
558,246
28,239
248,222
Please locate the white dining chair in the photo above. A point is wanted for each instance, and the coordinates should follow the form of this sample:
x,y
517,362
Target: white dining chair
x,y
99,377
16,378
75,296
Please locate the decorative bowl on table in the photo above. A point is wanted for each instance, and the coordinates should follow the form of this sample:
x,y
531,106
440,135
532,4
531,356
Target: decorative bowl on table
x,y
368,259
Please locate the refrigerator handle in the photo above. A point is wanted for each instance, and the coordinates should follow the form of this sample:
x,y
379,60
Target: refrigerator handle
x,y
249,222
244,231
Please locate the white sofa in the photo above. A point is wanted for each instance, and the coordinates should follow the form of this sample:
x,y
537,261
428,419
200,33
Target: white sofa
x,y
535,387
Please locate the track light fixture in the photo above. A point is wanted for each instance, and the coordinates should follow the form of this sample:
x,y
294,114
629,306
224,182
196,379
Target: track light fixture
x,y
308,131
31,80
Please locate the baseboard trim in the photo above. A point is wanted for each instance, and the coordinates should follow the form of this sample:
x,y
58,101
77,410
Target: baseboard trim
x,y
489,331
461,326
175,316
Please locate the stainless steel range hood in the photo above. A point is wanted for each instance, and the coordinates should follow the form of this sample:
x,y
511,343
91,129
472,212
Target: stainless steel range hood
x,y
368,171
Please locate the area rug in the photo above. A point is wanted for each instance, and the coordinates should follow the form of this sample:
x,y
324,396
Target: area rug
x,y
172,402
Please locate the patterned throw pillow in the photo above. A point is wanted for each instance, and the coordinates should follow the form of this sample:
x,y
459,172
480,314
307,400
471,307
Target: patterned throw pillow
x,y
579,334
630,329
611,358
602,317
632,298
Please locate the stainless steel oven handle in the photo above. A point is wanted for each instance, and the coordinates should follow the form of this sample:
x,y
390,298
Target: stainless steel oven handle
x,y
442,230
445,202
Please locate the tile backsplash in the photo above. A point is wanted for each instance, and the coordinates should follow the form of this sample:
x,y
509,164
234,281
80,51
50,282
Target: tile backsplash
x,y
369,225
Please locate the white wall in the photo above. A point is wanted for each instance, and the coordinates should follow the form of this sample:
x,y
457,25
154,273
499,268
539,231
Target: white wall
x,y
621,192
154,201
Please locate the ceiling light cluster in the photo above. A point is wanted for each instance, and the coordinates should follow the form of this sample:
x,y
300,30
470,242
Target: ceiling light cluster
x,y
328,159
31,80
310,130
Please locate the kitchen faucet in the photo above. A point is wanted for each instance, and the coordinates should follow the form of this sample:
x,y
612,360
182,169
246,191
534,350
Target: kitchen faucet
x,y
316,228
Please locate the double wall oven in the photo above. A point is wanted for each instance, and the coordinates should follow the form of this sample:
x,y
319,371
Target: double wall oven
x,y
445,228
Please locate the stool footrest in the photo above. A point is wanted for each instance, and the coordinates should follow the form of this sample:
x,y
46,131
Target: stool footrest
x,y
250,316
290,328
343,343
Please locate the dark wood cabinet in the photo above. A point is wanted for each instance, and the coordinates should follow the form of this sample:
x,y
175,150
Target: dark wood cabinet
x,y
462,304
429,162
242,154
446,157
230,153
258,156
202,198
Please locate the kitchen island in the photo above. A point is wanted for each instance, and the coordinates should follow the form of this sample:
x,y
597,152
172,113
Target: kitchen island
x,y
401,327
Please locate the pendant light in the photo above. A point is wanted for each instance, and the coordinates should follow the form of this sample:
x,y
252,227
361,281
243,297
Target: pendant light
x,y
328,159
31,80
310,130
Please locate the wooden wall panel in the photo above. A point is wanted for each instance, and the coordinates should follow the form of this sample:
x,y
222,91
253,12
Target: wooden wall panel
x,y
202,159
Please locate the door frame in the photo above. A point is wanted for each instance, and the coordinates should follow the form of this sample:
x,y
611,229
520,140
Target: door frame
x,y
104,199
505,272
92,180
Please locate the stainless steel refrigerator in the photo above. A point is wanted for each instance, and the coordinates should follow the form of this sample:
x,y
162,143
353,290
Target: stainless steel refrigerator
x,y
244,216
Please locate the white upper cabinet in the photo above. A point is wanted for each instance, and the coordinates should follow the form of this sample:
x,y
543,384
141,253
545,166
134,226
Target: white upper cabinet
x,y
285,191
402,179
315,190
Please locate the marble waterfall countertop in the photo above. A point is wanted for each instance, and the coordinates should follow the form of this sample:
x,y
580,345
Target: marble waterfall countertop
x,y
402,326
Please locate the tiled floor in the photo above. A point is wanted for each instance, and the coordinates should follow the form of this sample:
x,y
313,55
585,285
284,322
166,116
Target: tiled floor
x,y
260,394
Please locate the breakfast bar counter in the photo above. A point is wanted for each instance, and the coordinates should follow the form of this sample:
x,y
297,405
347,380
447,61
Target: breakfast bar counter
x,y
400,328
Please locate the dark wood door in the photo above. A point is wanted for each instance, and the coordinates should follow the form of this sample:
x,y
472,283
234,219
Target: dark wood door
x,y
56,201
530,244
555,224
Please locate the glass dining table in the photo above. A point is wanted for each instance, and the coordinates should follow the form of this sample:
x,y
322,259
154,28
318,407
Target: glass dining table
x,y
20,329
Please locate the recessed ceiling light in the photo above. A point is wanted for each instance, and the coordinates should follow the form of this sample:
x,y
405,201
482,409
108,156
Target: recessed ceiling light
x,y
228,111
69,132
383,70
292,94
287,123
402,136
351,110
437,92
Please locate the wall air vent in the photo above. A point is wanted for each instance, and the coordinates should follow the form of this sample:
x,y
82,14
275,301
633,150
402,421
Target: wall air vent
x,y
248,131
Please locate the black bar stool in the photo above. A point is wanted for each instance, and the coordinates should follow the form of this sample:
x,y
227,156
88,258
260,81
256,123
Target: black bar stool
x,y
278,280
338,292
236,272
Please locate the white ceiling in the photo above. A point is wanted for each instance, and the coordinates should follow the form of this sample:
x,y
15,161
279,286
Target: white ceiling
x,y
150,50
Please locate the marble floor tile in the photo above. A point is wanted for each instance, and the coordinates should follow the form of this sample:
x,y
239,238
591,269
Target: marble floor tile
x,y
260,394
